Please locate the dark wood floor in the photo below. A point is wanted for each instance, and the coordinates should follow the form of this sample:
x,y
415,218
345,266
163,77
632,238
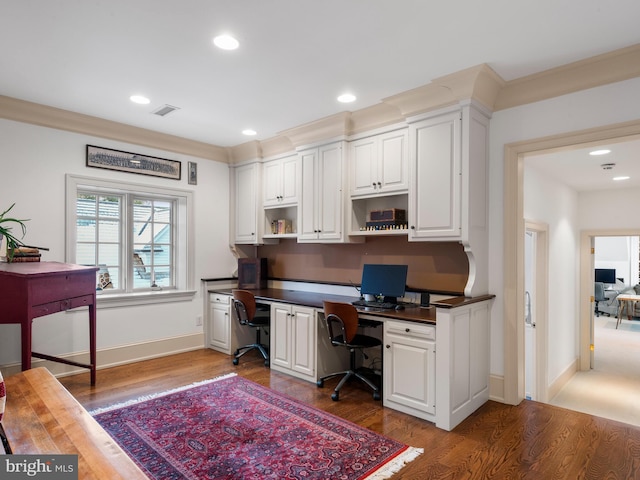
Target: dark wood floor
x,y
531,440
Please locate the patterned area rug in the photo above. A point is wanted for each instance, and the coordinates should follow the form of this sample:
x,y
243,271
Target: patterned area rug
x,y
232,428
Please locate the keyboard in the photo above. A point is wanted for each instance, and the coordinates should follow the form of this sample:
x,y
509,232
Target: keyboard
x,y
383,305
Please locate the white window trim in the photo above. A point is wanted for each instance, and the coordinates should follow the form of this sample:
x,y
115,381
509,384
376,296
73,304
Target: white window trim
x,y
185,272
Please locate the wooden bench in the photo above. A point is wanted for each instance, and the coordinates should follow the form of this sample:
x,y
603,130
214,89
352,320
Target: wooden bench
x,y
42,417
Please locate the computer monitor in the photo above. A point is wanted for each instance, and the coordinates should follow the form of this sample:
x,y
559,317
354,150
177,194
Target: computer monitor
x,y
388,281
606,275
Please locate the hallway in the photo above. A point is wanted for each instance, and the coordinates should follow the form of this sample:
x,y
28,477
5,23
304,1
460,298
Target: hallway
x,y
612,388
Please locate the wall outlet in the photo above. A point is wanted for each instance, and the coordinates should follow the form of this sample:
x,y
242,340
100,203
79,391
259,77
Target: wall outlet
x,y
199,321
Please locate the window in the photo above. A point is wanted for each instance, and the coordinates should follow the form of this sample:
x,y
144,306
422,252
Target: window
x,y
136,234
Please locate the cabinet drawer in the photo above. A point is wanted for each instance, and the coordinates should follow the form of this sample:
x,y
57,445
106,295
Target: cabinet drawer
x,y
219,298
48,289
61,305
410,329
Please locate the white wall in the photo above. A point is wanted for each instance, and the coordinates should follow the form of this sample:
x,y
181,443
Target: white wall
x,y
33,164
557,207
619,253
578,111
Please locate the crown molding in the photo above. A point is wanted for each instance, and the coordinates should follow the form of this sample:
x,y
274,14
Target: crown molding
x,y
45,116
245,151
328,127
604,69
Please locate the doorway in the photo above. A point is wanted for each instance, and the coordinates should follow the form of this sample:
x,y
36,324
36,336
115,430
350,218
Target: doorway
x,y
514,231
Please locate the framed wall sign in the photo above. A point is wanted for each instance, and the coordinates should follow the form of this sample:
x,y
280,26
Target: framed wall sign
x,y
193,173
99,157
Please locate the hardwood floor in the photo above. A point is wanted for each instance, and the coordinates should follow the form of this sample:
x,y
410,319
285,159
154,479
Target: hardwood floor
x,y
531,440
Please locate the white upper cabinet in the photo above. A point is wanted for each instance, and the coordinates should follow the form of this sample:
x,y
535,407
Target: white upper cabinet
x,y
379,164
281,182
247,195
436,175
320,214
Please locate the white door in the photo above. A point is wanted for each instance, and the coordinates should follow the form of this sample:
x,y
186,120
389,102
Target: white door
x,y
529,316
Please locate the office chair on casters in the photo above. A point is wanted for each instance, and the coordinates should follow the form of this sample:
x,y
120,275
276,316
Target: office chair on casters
x,y
599,296
342,323
249,315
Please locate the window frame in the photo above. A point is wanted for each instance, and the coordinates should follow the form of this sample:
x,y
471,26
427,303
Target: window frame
x,y
183,245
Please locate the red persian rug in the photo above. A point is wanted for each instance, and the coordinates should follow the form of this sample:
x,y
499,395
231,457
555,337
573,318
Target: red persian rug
x,y
232,428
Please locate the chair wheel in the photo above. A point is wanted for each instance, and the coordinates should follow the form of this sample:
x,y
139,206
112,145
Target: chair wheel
x,y
235,361
236,352
376,395
335,396
320,383
266,363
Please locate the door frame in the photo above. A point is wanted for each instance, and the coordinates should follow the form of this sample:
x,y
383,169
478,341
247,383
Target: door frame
x,y
513,233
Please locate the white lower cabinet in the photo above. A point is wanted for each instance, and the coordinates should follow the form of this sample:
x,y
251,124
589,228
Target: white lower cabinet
x,y
223,332
293,340
410,368
219,322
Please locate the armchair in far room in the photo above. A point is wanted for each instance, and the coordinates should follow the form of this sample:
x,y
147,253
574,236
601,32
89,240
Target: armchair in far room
x,y
598,297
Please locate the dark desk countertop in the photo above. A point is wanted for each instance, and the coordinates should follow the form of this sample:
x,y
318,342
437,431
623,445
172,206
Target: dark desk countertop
x,y
314,300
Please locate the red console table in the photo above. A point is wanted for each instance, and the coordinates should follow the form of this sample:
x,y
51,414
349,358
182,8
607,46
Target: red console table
x,y
34,289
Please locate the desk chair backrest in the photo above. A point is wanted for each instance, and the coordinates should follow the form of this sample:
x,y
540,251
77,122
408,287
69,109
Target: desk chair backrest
x,y
245,304
342,320
598,293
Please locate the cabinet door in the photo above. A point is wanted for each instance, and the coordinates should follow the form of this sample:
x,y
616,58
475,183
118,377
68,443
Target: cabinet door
x,y
330,204
281,182
280,336
246,207
272,187
219,326
363,158
435,195
393,166
290,180
409,372
304,332
307,220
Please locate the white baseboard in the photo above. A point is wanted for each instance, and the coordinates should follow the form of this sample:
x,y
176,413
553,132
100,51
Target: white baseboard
x,y
562,379
113,356
496,388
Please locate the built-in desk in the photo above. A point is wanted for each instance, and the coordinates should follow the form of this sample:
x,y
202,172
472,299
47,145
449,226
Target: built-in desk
x,y
417,376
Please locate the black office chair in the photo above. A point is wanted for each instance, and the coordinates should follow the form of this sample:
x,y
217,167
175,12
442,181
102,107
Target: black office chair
x,y
599,296
342,324
249,315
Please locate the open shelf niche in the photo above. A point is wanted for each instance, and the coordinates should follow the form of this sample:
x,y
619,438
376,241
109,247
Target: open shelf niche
x,y
285,216
361,214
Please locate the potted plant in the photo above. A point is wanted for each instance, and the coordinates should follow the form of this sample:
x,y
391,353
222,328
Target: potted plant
x,y
6,225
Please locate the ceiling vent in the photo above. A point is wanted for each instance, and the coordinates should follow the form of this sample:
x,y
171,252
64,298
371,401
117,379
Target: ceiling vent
x,y
165,110
608,166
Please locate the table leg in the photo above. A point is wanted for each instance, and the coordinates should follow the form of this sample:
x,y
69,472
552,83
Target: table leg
x,y
92,342
26,343
620,307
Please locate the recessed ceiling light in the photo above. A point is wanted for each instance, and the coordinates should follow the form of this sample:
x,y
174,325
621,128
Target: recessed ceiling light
x,y
250,132
600,152
347,98
617,179
142,100
226,42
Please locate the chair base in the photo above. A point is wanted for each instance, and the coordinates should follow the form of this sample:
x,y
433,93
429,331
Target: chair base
x,y
263,349
335,396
